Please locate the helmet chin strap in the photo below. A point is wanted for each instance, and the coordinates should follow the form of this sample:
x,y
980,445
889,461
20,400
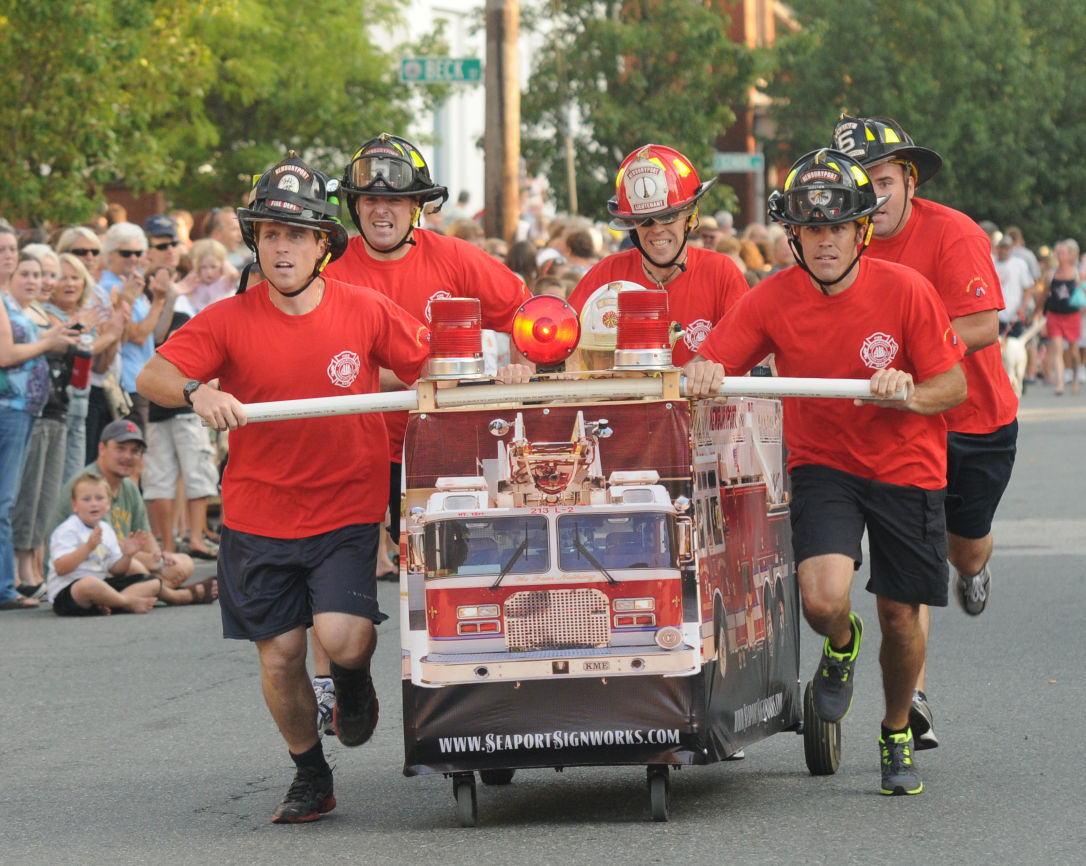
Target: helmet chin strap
x,y
674,263
406,239
797,251
316,273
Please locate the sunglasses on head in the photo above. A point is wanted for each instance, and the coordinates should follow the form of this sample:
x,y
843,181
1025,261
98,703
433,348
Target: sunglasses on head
x,y
128,254
665,220
83,252
166,245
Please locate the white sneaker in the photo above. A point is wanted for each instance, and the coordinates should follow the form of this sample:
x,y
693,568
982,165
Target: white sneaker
x,y
325,692
973,591
1082,375
1068,375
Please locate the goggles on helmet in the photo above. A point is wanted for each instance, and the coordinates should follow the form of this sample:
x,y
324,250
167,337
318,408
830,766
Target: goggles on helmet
x,y
821,204
644,222
394,172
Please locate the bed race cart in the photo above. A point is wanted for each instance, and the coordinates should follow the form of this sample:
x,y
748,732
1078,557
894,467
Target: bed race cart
x,y
595,572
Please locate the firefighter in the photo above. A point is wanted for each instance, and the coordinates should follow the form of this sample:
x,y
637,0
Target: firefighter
x,y
952,251
657,191
879,464
303,500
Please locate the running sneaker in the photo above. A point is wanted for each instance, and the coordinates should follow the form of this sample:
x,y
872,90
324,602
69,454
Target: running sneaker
x,y
309,796
973,592
833,679
326,704
356,710
922,722
899,774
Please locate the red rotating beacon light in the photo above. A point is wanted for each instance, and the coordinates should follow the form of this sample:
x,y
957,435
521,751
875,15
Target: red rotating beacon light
x,y
456,342
545,331
643,341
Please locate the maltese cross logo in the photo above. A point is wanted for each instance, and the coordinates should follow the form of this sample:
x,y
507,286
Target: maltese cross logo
x,y
879,351
343,369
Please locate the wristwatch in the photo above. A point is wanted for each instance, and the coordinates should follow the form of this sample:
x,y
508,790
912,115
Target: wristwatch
x,y
190,388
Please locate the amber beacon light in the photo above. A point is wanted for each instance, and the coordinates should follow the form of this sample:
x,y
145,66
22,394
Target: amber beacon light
x,y
546,330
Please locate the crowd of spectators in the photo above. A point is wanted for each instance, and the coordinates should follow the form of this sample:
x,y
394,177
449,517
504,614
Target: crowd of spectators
x,y
116,289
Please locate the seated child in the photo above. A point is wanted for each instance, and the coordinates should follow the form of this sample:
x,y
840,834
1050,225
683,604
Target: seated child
x,y
212,277
91,572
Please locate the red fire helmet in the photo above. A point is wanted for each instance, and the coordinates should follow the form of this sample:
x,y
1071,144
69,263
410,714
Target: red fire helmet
x,y
654,182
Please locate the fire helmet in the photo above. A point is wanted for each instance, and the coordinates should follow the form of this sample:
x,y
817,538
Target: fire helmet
x,y
599,317
825,187
871,140
389,166
295,194
654,183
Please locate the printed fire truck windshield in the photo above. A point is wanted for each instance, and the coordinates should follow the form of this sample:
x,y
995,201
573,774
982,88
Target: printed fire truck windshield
x,y
615,541
514,545
521,545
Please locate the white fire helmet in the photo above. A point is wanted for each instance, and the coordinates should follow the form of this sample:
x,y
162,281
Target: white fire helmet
x,y
599,317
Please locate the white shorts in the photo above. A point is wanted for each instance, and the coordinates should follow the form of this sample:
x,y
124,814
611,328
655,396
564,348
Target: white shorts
x,y
179,446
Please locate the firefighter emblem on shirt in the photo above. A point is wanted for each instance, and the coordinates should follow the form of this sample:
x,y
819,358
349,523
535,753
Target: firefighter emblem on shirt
x,y
434,297
879,351
343,369
695,333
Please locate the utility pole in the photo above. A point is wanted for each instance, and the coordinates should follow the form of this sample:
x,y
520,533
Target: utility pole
x,y
502,137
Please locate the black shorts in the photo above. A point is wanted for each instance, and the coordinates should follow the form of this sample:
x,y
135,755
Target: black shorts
x,y
906,531
65,605
978,469
269,586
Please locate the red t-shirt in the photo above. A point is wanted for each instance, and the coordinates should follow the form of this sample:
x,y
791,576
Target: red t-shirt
x,y
889,317
435,267
297,478
954,253
697,298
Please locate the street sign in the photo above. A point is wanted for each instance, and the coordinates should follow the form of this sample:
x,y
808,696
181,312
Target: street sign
x,y
737,163
441,70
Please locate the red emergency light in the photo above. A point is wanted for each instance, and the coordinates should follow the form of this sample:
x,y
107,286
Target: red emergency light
x,y
643,341
546,330
456,342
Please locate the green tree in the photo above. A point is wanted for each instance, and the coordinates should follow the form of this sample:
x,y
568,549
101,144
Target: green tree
x,y
82,106
188,98
988,84
621,74
287,78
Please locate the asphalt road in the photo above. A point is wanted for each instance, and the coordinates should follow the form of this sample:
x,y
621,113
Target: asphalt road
x,y
144,740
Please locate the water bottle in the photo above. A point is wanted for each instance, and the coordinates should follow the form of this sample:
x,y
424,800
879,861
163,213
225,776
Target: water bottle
x,y
81,363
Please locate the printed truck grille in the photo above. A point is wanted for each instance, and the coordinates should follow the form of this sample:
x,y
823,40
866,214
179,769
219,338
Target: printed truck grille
x,y
557,619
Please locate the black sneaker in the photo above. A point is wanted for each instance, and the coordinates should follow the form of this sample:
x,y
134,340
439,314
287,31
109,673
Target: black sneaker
x,y
832,683
922,722
310,795
899,774
355,716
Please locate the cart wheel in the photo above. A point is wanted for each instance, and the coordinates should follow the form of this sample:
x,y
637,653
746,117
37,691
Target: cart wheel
x,y
821,739
466,806
659,790
496,777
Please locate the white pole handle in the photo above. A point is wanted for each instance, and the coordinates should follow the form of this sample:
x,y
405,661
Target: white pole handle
x,y
553,389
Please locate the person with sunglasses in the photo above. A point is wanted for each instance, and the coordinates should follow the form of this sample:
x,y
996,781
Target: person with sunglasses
x,y
657,191
112,314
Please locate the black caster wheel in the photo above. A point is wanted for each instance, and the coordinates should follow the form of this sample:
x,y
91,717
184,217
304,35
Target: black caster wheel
x,y
467,809
821,739
496,777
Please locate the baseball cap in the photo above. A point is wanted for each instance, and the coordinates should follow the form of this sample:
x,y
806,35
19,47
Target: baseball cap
x,y
159,226
122,430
